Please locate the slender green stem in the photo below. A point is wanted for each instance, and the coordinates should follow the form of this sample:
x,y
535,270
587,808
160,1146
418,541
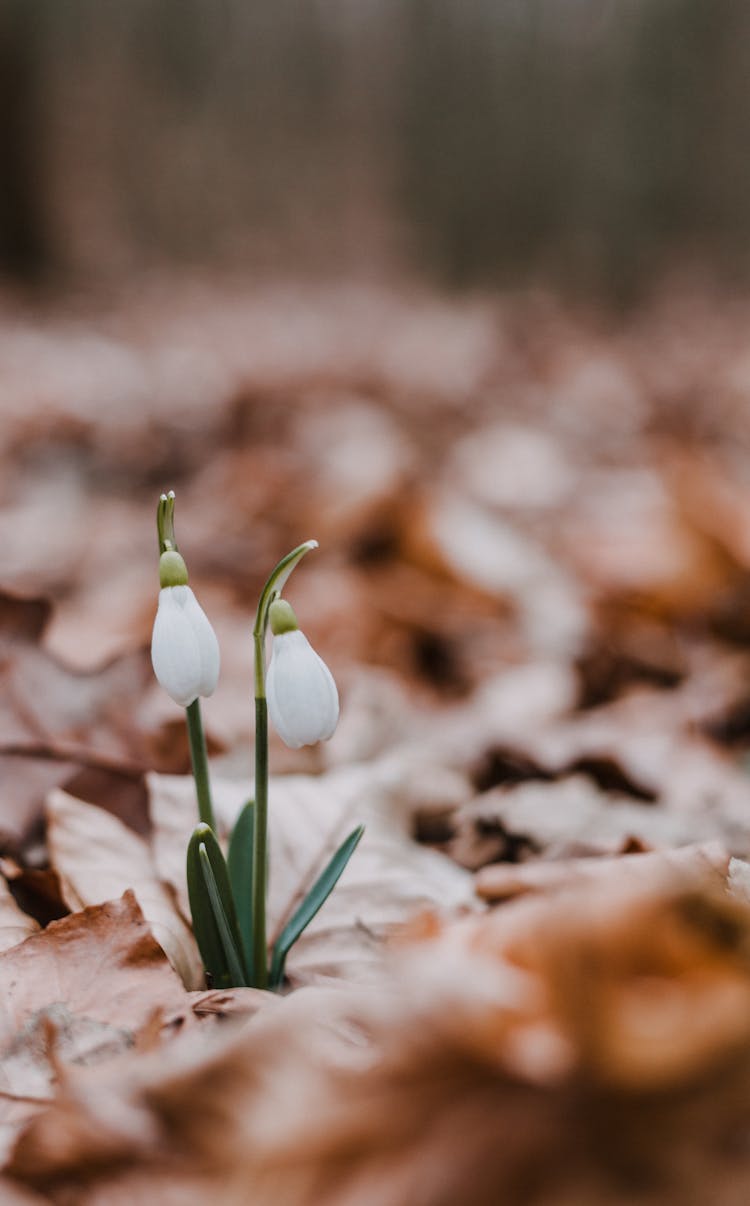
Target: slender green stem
x,y
273,587
260,821
199,758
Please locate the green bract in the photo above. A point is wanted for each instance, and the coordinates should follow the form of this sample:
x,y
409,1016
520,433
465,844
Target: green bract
x,y
172,569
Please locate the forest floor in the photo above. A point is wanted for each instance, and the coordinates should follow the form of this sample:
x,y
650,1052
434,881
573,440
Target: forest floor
x,y
532,984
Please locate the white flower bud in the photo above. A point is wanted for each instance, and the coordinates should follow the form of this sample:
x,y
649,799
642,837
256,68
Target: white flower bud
x,y
303,702
184,648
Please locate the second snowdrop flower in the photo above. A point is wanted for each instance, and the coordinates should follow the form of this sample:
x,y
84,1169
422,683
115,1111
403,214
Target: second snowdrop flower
x,y
303,702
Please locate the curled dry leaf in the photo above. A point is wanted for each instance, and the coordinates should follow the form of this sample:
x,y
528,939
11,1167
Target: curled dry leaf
x,y
388,880
556,1052
97,857
77,993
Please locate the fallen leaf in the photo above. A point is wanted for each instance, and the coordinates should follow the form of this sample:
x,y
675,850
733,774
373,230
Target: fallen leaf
x,y
15,925
499,882
514,466
36,891
485,551
54,721
524,1059
361,457
569,816
76,993
629,538
97,857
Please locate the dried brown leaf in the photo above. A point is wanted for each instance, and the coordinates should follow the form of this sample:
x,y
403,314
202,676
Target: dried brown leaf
x,y
76,993
554,1053
97,857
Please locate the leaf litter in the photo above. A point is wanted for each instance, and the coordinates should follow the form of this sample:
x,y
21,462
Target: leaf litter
x,y
532,983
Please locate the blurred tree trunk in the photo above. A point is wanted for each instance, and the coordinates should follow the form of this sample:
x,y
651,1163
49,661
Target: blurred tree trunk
x,y
25,248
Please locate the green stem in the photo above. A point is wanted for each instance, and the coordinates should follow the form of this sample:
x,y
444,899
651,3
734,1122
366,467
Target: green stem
x,y
260,821
199,758
271,590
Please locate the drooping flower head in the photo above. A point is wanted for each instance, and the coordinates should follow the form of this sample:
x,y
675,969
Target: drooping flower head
x,y
303,702
184,648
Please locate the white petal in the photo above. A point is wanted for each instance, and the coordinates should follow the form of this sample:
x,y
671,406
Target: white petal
x,y
208,646
175,652
303,702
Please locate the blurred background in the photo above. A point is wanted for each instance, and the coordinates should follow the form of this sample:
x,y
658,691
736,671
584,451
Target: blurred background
x,y
458,288
475,143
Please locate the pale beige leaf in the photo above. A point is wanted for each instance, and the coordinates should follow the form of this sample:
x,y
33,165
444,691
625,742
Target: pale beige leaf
x,y
567,818
97,858
15,925
501,881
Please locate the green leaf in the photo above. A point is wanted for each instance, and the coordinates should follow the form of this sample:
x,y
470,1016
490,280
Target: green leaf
x,y
229,941
240,868
314,900
212,908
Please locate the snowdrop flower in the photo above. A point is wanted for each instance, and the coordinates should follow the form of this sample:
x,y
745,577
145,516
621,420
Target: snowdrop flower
x,y
302,698
184,648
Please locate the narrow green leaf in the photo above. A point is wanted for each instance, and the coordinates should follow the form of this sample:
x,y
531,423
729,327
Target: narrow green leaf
x,y
240,868
228,941
315,898
206,924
